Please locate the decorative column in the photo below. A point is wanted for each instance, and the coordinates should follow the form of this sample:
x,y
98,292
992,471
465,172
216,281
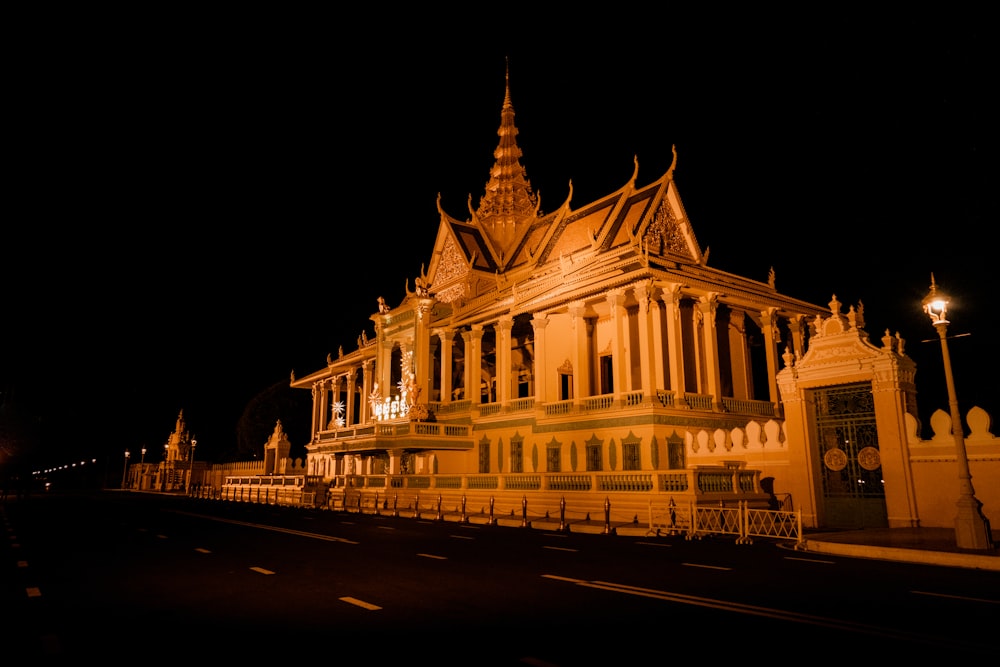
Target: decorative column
x,y
349,405
367,382
671,296
708,305
383,356
424,374
581,362
473,364
395,460
648,359
324,405
503,327
540,371
660,347
383,367
315,407
772,336
447,337
619,364
433,366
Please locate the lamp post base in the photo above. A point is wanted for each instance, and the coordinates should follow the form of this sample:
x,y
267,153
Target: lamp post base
x,y
972,529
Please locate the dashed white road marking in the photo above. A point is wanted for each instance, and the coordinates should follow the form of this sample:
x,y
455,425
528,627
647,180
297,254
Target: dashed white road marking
x,y
956,597
261,570
812,560
289,531
767,612
537,662
360,603
707,567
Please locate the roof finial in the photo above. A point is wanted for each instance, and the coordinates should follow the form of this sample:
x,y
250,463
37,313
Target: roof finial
x,y
509,203
506,96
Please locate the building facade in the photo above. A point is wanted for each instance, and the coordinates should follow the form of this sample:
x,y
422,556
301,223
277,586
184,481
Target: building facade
x,y
589,358
588,347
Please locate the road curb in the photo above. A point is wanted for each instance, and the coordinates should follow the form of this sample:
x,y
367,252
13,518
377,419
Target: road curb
x,y
919,556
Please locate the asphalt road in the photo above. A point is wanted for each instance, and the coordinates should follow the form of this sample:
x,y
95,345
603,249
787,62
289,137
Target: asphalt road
x,y
113,576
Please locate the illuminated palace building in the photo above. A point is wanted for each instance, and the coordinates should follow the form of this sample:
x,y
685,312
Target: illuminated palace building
x,y
589,357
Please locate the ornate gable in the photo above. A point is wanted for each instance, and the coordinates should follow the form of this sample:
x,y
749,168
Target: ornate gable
x,y
451,272
664,235
460,249
666,230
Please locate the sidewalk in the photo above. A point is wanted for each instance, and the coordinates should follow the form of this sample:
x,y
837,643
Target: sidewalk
x,y
929,546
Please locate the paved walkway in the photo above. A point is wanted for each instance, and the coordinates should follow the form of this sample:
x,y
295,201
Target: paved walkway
x,y
933,546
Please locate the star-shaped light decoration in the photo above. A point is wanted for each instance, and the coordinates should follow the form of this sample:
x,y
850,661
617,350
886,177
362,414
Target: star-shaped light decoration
x,y
338,413
375,401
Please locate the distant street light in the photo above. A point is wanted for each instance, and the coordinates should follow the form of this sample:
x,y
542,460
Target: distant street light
x,y
142,467
972,529
125,470
194,443
163,475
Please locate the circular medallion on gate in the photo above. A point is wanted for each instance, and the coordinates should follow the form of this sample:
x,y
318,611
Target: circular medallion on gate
x,y
835,459
869,458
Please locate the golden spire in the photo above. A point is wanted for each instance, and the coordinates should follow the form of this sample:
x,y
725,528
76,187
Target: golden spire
x,y
509,200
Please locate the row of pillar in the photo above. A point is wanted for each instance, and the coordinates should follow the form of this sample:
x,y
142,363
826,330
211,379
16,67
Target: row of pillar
x,y
656,303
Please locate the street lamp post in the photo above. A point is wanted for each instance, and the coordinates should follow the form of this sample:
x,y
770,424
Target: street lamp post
x,y
125,470
972,529
163,475
142,467
194,443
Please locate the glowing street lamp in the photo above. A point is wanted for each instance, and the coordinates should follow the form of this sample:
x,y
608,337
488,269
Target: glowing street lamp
x,y
972,529
194,443
142,467
125,470
163,475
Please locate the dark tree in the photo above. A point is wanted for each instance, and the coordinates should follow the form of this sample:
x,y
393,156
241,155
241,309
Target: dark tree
x,y
279,401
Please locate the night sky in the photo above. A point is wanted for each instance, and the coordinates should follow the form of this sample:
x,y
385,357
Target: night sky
x,y
203,204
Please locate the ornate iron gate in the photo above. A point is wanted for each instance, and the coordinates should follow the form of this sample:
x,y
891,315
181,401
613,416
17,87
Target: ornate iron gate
x,y
851,465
